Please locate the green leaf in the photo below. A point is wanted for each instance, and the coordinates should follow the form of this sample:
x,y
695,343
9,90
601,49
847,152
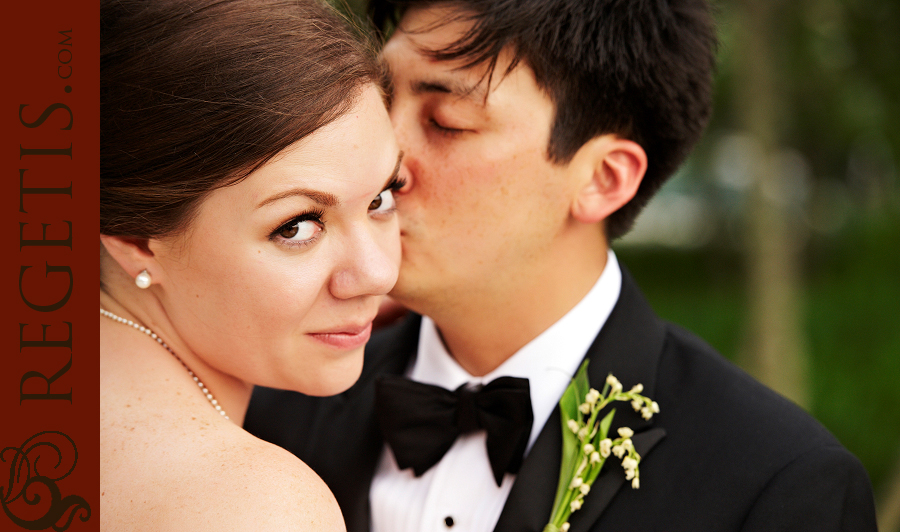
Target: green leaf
x,y
568,408
574,395
566,469
582,386
605,423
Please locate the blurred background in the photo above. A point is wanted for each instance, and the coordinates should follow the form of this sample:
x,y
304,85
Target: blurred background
x,y
779,241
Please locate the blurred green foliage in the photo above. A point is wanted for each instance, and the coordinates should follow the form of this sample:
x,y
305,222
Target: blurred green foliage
x,y
838,77
851,305
837,72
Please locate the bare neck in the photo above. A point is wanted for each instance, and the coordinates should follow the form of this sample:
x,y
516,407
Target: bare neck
x,y
231,393
482,330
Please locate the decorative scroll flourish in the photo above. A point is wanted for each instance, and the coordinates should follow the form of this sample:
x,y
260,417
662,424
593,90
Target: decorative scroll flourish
x,y
31,498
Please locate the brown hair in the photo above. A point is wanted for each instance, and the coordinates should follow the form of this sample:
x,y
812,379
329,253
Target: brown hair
x,y
196,94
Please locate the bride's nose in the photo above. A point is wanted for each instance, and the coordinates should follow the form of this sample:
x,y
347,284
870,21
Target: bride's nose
x,y
368,266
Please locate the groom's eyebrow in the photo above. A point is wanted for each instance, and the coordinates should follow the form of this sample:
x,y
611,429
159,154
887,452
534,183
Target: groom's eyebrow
x,y
447,86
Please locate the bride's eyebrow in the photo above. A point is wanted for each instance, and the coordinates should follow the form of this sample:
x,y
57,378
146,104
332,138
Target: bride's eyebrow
x,y
326,199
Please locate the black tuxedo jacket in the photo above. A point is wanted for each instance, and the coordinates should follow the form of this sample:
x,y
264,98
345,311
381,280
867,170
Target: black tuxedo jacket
x,y
724,454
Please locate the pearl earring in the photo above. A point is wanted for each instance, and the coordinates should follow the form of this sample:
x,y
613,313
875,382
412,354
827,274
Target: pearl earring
x,y
143,280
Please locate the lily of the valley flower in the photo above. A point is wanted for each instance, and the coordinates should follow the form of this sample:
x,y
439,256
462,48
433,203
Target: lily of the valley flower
x,y
605,447
586,445
614,384
648,411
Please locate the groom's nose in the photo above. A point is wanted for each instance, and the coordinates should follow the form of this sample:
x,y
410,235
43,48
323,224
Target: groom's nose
x,y
410,138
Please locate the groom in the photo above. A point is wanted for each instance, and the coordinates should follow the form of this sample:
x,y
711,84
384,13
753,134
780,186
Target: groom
x,y
534,132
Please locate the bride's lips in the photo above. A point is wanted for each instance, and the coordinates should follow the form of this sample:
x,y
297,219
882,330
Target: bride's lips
x,y
347,337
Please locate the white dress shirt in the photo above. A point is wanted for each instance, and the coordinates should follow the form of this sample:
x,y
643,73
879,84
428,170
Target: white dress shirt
x,y
459,493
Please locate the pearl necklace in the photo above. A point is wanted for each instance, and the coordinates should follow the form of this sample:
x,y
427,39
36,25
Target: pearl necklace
x,y
151,334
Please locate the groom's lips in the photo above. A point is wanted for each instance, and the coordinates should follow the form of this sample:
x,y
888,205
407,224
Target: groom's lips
x,y
346,337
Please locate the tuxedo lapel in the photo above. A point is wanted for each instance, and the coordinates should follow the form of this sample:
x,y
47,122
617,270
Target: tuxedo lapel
x,y
628,346
528,506
389,352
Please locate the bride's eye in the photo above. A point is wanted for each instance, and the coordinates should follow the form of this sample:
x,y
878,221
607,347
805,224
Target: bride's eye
x,y
301,230
384,202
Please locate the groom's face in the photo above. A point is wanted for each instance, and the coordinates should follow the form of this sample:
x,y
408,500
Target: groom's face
x,y
483,202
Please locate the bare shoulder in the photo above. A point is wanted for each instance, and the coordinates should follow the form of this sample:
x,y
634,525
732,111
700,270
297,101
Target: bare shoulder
x,y
271,489
219,478
169,462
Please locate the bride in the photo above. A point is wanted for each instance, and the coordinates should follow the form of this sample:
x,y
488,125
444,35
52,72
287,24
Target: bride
x,y
247,233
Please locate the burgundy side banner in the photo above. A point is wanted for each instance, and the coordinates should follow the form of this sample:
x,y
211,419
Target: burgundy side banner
x,y
49,363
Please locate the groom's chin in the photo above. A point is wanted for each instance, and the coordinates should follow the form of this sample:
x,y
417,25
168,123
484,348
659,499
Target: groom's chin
x,y
411,291
426,285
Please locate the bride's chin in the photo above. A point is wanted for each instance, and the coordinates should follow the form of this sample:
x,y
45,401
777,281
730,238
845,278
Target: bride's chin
x,y
334,377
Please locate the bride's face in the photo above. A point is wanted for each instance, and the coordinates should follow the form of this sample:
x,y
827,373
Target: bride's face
x,y
278,278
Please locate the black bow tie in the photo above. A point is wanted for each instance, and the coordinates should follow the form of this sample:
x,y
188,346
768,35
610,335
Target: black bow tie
x,y
421,421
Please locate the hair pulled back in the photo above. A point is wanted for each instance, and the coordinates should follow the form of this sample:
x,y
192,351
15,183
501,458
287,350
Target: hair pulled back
x,y
196,94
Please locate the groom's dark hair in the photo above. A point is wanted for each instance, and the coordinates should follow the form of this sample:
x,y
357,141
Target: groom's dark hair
x,y
641,69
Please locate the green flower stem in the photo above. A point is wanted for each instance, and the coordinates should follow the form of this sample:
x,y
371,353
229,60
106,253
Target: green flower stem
x,y
576,463
595,471
564,510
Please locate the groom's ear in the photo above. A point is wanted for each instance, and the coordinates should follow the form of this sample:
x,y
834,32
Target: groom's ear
x,y
132,254
611,170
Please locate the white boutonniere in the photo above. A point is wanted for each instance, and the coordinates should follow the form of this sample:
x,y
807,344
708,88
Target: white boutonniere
x,y
586,445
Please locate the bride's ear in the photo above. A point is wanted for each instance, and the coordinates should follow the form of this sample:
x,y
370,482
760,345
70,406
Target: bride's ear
x,y
132,254
613,168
